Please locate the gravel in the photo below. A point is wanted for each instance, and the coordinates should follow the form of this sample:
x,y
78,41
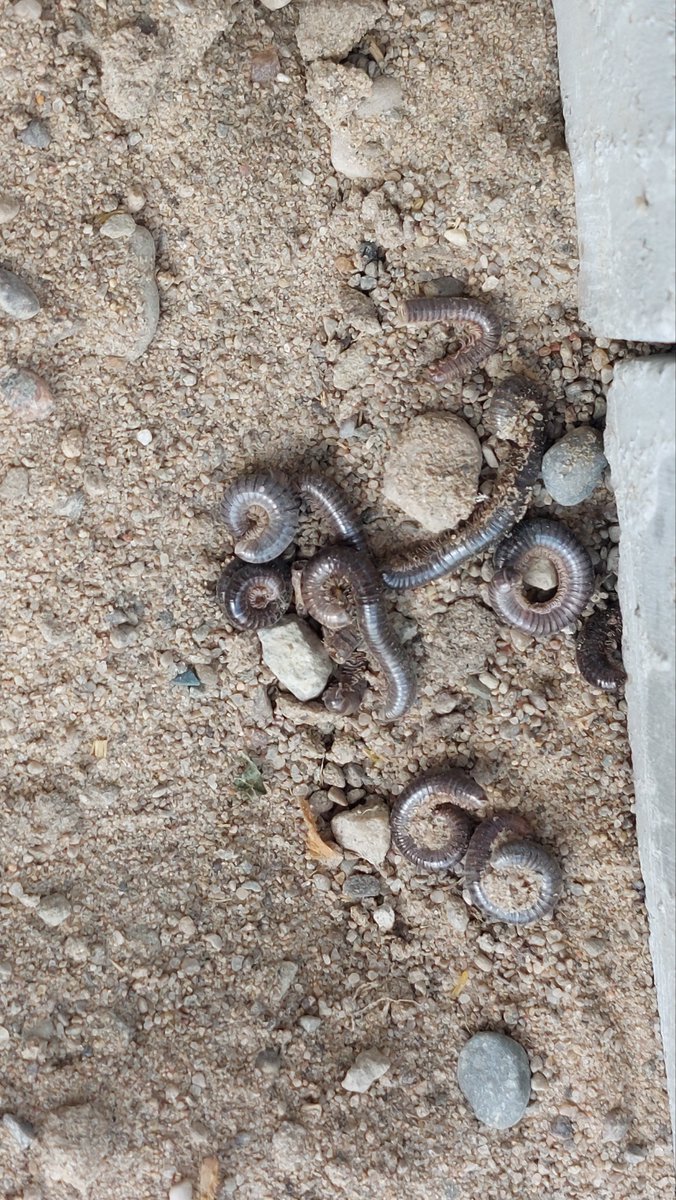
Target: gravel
x,y
21,1131
36,135
494,1077
432,473
368,1067
54,909
365,830
573,467
296,656
17,299
361,887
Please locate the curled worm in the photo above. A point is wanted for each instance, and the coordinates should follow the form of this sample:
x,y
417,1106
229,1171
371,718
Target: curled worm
x,y
334,506
261,513
254,595
341,569
483,326
599,650
503,845
529,541
447,790
518,404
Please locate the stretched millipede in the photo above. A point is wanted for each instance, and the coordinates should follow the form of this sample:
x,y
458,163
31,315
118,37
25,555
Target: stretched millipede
x,y
326,579
254,595
483,325
504,844
599,650
345,646
575,577
447,790
261,512
517,409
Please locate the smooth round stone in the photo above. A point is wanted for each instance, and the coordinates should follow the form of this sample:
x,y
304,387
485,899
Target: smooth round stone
x,y
121,226
17,299
573,467
494,1077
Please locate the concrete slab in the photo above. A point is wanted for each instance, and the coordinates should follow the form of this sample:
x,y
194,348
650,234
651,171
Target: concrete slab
x,y
616,64
640,444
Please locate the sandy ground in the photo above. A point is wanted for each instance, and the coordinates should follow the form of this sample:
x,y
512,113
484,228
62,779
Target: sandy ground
x,y
197,932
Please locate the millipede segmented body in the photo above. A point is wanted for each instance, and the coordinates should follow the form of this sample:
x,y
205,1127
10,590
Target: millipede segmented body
x,y
341,584
599,650
451,792
334,506
261,512
433,558
483,325
254,595
504,844
529,541
345,646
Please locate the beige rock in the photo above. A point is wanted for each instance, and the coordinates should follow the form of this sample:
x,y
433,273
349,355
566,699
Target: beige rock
x,y
432,473
330,30
365,830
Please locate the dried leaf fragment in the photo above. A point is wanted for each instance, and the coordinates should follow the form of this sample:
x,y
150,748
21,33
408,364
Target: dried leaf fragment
x,y
315,845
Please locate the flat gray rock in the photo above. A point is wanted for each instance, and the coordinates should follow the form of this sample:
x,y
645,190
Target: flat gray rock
x,y
17,299
494,1077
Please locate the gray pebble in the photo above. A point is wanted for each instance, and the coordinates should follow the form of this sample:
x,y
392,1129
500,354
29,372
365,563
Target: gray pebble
x,y
573,467
187,679
36,134
17,299
16,485
71,506
123,635
562,1127
635,1153
22,1131
368,1066
615,1125
494,1077
28,396
9,208
310,1024
361,887
268,1062
54,909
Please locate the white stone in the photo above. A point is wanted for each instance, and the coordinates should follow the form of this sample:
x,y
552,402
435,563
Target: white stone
x,y
353,162
456,237
386,94
432,473
21,1131
4,1035
9,208
384,917
351,367
294,653
27,10
367,1067
121,226
144,436
54,909
616,63
640,446
181,1191
365,830
273,5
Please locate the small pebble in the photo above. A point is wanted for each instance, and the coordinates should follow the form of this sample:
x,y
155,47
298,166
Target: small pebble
x,y
4,1035
119,227
265,65
17,299
28,396
27,10
9,208
310,1024
144,436
36,135
123,635
22,1131
456,237
268,1062
635,1153
135,198
181,1191
273,5
365,830
16,485
361,887
541,573
187,679
369,1066
494,1077
562,1127
72,444
384,917
386,94
573,467
71,506
54,909
615,1125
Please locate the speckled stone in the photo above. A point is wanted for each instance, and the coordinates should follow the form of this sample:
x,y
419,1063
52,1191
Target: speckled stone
x,y
494,1077
17,299
573,467
432,473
